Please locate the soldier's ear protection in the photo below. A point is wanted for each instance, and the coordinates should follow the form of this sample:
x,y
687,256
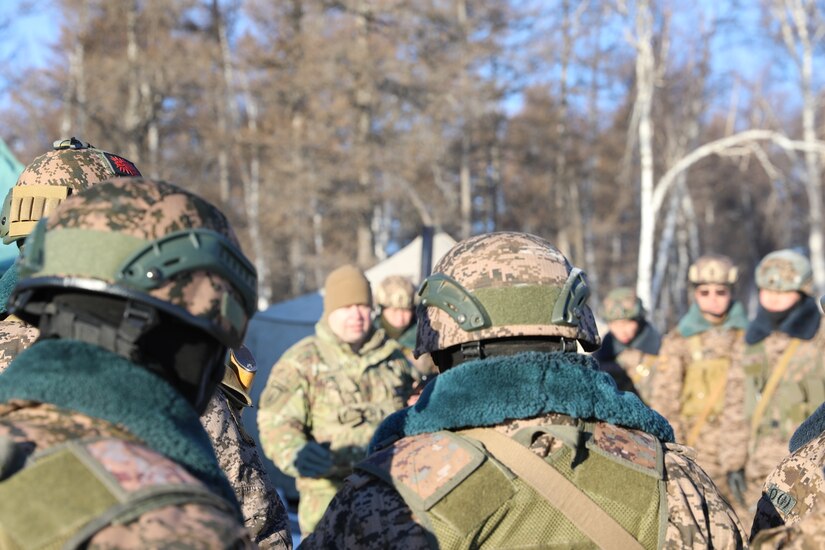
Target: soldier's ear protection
x,y
239,375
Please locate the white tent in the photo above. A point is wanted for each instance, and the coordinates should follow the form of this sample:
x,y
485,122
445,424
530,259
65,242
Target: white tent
x,y
272,331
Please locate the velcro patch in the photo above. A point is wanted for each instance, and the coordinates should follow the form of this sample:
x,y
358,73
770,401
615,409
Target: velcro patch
x,y
782,501
424,467
634,446
121,166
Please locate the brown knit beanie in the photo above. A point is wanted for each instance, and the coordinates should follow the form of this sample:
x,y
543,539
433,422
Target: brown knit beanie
x,y
346,286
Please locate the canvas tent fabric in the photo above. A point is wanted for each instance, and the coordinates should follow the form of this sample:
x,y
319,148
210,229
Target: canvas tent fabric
x,y
10,169
272,331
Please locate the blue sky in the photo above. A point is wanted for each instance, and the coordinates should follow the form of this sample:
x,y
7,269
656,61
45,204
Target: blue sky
x,y
28,36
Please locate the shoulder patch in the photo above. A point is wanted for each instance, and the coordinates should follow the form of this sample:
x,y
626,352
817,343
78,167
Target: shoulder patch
x,y
639,448
424,468
135,466
782,501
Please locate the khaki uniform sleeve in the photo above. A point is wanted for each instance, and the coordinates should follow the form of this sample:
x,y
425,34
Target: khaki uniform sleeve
x,y
667,385
283,414
733,452
698,516
367,513
794,489
264,514
186,527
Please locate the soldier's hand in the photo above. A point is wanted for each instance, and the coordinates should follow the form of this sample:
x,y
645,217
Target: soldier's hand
x,y
736,484
313,460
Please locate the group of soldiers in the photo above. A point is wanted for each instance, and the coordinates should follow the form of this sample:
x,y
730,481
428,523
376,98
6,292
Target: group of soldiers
x,y
734,390
498,425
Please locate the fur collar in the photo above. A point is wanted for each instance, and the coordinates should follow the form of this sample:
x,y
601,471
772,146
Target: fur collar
x,y
694,322
485,392
91,380
802,322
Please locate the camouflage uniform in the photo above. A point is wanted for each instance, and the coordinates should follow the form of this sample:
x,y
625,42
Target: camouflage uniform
x,y
793,490
15,336
99,242
428,485
264,514
631,365
38,428
694,361
800,389
369,513
321,390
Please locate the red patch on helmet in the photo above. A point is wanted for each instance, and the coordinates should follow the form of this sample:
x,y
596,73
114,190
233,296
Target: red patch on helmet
x,y
121,166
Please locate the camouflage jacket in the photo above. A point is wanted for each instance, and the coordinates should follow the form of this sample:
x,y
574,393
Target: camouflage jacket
x,y
130,467
681,389
368,512
264,514
15,336
793,490
800,391
636,361
321,390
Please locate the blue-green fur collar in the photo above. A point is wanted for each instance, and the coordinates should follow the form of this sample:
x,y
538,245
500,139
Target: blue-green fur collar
x,y
486,392
85,378
694,322
7,284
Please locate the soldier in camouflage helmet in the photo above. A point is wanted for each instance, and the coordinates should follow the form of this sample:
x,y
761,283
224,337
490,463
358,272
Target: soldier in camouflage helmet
x,y
629,351
778,376
519,442
73,166
70,167
689,389
395,298
327,393
138,288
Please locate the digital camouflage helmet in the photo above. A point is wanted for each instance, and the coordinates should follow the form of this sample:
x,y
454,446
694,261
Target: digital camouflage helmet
x,y
145,241
622,303
71,167
504,285
713,269
395,291
785,271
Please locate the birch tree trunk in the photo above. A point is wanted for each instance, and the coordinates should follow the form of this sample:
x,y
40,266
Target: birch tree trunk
x,y
645,68
132,115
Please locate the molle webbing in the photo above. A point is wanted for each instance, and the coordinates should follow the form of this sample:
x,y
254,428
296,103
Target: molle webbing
x,y
27,204
469,496
65,497
562,494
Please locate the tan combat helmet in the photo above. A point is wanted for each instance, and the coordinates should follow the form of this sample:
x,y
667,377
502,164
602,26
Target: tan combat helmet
x,y
71,167
504,285
622,303
395,291
150,242
713,269
785,270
